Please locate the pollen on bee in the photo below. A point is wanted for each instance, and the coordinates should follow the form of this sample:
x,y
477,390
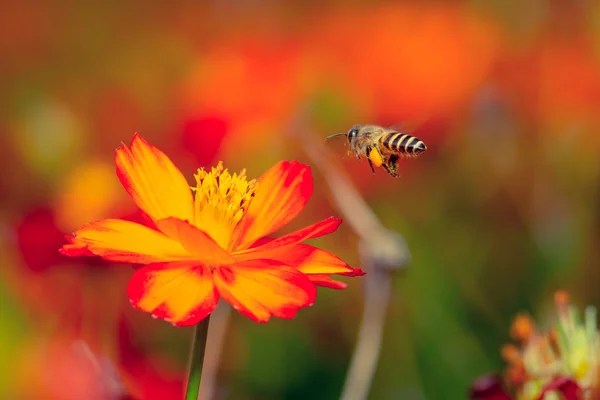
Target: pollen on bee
x,y
375,157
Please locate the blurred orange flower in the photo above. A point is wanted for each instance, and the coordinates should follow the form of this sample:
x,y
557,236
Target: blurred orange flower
x,y
241,66
555,79
423,58
208,242
561,362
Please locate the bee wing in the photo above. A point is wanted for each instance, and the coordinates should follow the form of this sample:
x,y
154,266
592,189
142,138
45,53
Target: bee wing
x,y
410,125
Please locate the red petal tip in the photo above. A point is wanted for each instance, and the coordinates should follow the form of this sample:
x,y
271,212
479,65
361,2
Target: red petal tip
x,y
354,272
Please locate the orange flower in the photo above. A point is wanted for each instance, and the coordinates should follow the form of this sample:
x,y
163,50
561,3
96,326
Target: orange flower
x,y
209,242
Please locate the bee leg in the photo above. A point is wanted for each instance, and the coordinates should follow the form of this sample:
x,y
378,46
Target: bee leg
x,y
390,170
371,165
370,159
391,165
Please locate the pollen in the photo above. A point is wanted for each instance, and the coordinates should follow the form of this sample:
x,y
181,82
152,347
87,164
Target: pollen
x,y
221,199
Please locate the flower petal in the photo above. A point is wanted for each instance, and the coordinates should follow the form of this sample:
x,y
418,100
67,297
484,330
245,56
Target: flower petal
x,y
311,260
568,388
326,281
182,293
198,243
274,248
488,387
124,241
73,249
282,193
153,181
354,272
261,288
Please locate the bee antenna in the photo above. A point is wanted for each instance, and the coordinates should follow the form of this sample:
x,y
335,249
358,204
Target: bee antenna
x,y
337,134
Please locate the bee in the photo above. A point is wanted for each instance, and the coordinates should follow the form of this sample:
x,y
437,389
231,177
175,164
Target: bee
x,y
382,146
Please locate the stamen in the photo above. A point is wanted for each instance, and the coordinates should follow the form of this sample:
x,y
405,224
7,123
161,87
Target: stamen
x,y
221,199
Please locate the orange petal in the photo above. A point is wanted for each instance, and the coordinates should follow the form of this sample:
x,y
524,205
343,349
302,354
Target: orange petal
x,y
282,193
124,241
182,293
311,260
72,249
272,249
195,241
326,281
261,288
153,181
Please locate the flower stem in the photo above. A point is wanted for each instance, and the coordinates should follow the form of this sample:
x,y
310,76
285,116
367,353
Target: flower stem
x,y
196,359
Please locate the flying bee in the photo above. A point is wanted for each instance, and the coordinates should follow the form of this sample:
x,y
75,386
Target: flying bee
x,y
382,146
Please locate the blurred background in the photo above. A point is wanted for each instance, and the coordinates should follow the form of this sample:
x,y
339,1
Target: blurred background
x,y
502,210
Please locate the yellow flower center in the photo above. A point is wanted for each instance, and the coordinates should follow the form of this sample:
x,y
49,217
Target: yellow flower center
x,y
220,202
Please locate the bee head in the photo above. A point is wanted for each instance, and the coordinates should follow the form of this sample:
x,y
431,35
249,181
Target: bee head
x,y
352,133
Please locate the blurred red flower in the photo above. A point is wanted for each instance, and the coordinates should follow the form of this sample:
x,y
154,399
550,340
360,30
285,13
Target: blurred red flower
x,y
61,368
202,136
59,289
38,237
146,375
203,243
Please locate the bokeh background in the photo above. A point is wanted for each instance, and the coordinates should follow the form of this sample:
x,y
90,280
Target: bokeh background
x,y
502,210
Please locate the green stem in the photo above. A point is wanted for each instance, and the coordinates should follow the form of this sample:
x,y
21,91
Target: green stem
x,y
196,359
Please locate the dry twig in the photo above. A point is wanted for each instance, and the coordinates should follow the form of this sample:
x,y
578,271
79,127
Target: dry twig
x,y
382,252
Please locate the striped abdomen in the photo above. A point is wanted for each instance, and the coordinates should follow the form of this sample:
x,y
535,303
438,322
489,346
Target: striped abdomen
x,y
402,143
